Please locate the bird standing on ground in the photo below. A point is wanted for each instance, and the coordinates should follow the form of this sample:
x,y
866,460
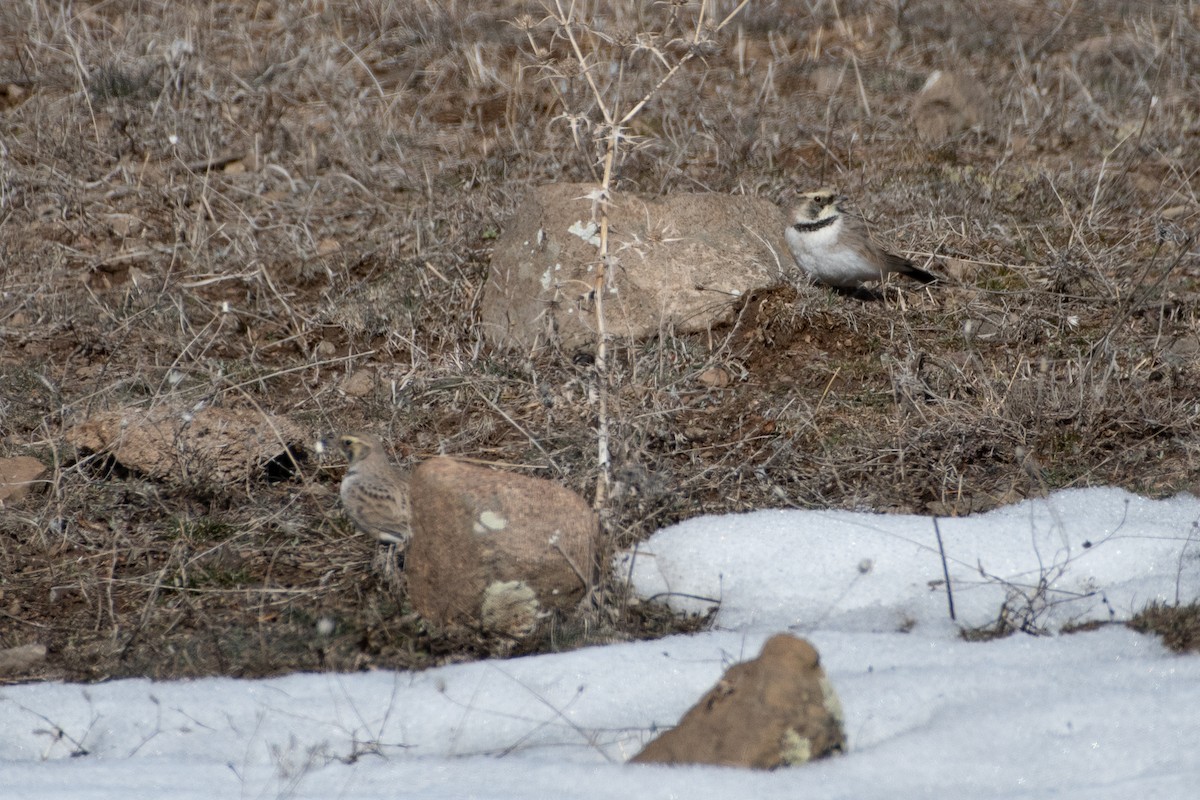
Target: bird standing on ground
x,y
836,248
375,492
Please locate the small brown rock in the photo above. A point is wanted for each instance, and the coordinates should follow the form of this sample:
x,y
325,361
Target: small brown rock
x,y
961,270
491,549
950,103
17,476
19,660
359,384
12,95
715,377
777,710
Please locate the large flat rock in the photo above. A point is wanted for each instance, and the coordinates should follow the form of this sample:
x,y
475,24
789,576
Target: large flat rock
x,y
680,263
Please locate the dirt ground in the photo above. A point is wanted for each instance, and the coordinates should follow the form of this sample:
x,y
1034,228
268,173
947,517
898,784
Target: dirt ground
x,y
286,210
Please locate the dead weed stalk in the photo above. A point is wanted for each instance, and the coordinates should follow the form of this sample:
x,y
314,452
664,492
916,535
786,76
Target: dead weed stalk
x,y
611,132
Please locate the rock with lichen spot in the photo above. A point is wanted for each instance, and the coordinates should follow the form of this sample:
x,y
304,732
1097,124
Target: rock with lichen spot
x,y
778,710
494,550
680,263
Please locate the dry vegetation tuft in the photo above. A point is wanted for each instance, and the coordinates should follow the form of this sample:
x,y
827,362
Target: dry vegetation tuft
x,y
288,208
1178,625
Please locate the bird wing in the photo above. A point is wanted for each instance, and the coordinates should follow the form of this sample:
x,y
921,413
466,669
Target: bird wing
x,y
892,261
386,506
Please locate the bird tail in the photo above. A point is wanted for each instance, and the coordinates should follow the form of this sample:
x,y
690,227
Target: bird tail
x,y
902,265
917,273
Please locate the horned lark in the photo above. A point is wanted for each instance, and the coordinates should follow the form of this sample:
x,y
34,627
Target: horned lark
x,y
836,248
374,492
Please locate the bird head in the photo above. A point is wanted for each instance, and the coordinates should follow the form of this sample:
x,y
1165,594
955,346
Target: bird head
x,y
816,206
359,446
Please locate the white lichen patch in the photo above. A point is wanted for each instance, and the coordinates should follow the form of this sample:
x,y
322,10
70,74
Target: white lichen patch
x,y
490,522
510,608
794,748
547,278
588,231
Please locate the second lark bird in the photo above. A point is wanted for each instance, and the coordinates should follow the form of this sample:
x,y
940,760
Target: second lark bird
x,y
836,248
375,492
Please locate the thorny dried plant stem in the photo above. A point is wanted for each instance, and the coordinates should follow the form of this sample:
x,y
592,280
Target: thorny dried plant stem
x,y
600,204
613,137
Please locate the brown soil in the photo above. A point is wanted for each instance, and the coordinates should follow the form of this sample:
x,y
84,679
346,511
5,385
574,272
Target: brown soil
x,y
287,209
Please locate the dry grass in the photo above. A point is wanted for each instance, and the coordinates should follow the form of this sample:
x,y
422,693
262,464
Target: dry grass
x,y
1178,625
290,207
